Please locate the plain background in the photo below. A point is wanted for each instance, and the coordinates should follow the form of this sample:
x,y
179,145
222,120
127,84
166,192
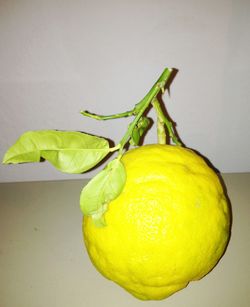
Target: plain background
x,y
59,57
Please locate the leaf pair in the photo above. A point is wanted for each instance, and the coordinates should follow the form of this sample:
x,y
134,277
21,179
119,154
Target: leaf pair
x,y
74,152
68,151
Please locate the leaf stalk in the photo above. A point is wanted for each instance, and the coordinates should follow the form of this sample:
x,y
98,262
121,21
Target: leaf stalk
x,y
107,117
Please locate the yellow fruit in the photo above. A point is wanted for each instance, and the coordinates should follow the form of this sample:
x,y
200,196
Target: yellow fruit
x,y
169,226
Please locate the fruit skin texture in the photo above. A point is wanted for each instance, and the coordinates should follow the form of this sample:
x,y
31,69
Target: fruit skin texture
x,y
169,226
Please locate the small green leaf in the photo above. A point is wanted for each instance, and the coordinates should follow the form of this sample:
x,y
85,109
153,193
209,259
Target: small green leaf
x,y
139,130
143,124
102,189
68,151
135,137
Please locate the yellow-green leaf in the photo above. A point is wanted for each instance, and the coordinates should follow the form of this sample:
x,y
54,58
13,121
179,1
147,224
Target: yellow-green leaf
x,y
68,151
101,190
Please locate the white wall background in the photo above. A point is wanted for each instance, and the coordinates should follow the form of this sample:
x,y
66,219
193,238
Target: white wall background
x,y
58,57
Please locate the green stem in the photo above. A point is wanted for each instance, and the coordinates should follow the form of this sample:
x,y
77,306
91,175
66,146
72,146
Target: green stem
x,y
112,149
107,117
144,103
161,133
163,120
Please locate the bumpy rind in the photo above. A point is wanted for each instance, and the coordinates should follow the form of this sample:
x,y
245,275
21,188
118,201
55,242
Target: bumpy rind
x,y
169,226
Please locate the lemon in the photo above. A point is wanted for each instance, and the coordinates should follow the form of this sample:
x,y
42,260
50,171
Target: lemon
x,y
169,226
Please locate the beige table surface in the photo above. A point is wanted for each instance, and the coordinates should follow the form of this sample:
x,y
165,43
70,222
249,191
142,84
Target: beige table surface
x,y
43,262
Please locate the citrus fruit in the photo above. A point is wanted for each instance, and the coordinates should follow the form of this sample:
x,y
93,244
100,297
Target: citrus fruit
x,y
169,226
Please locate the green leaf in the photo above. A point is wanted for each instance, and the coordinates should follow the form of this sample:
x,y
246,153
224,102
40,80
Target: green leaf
x,y
135,136
139,130
68,151
102,189
143,124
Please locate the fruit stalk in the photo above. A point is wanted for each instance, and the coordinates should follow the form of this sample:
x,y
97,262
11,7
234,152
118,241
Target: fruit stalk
x,y
161,132
161,121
